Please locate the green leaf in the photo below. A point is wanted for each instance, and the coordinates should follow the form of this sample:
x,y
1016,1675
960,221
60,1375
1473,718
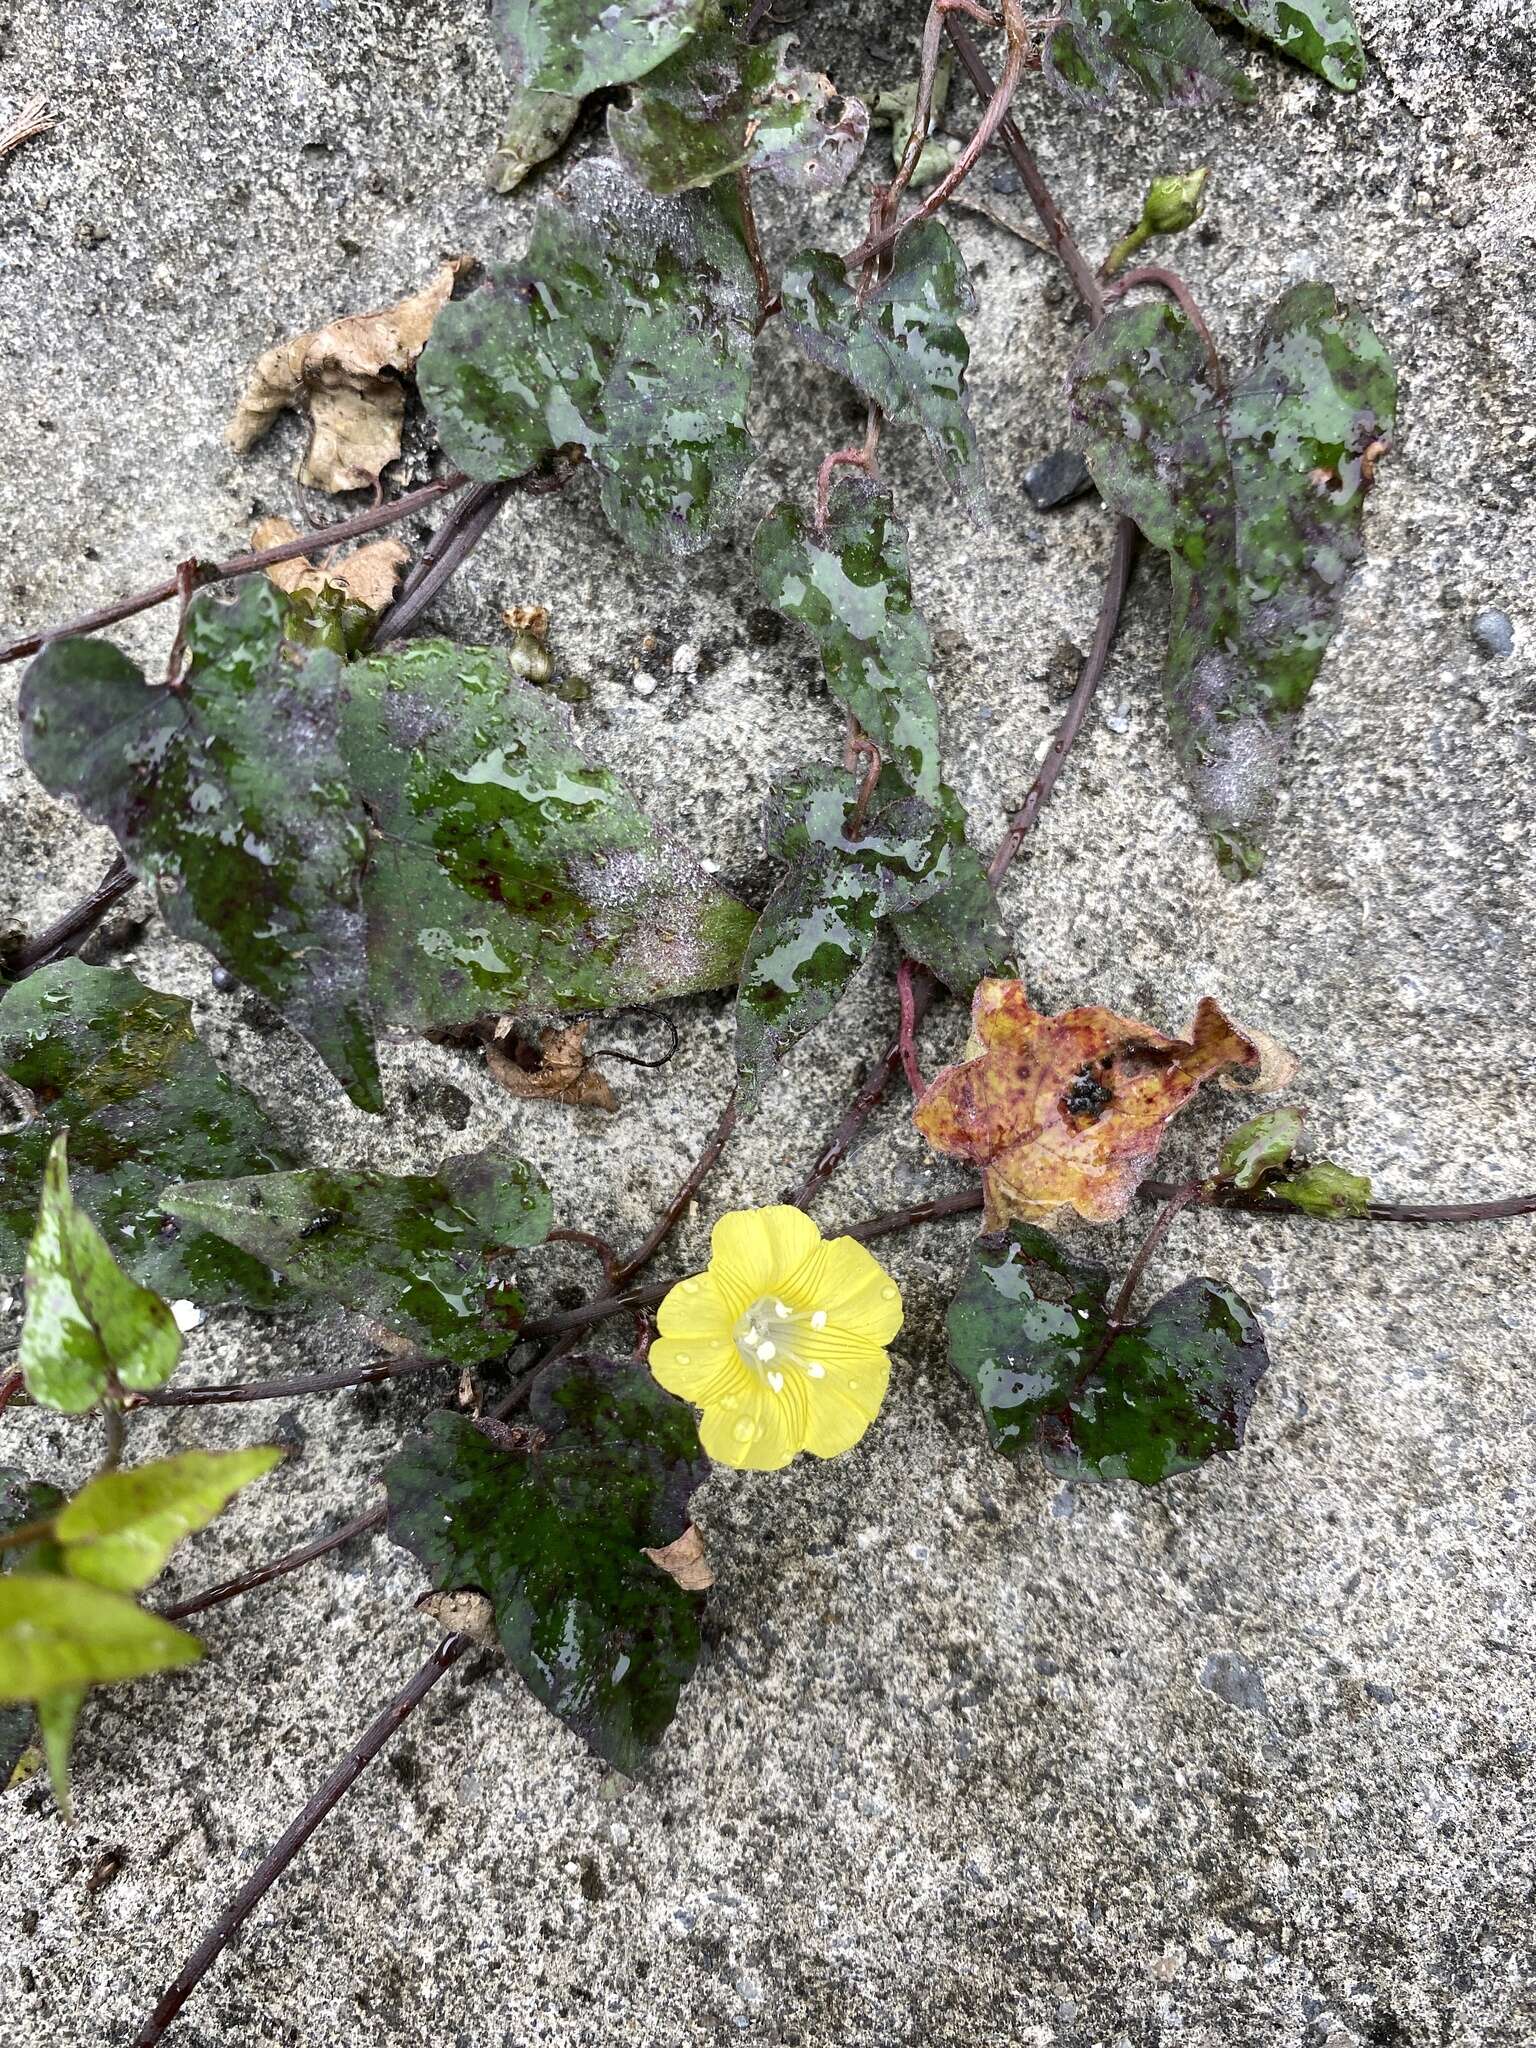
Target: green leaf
x,y
419,1253
1320,34
508,873
1261,1147
849,587
229,796
1324,1190
119,1530
1257,498
119,1067
626,332
957,933
904,348
1163,49
721,105
550,1521
57,1634
57,1713
579,46
89,1329
533,129
1029,1333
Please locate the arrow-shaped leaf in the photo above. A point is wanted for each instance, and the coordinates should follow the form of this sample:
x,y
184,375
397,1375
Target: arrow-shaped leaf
x,y
119,1529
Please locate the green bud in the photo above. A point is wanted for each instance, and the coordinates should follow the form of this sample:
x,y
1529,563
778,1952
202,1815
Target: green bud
x,y
1324,1190
1174,203
1260,1147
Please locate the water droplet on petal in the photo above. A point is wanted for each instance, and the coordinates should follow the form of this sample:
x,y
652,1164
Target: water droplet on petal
x,y
690,1287
887,1294
685,1358
745,1430
819,1320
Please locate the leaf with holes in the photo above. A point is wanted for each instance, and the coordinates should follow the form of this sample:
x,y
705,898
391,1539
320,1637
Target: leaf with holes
x,y
229,795
551,1521
1029,1333
850,588
721,105
1321,34
120,1528
1165,50
625,332
422,1254
904,347
509,874
579,46
1069,1111
89,1330
119,1067
1257,497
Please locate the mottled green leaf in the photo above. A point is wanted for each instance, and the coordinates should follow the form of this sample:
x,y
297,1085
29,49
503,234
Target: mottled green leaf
x,y
1261,1147
531,133
1256,496
420,1253
119,1067
1318,33
1163,49
722,105
957,933
579,46
119,1529
229,796
550,1521
1324,1190
57,1712
904,348
626,332
89,1329
508,873
1029,1333
850,588
57,1634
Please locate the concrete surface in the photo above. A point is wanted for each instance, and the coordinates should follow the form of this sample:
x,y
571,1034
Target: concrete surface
x,y
974,1759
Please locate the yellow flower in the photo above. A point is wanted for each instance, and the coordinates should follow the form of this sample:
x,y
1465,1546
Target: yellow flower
x,y
781,1343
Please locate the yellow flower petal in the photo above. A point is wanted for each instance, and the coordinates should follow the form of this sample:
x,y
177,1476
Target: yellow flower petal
x,y
700,1370
837,1419
695,1308
760,1429
856,1291
755,1251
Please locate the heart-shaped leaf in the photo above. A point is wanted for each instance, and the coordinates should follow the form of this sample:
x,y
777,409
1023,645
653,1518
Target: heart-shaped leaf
x,y
626,332
89,1329
579,46
904,347
119,1067
723,105
1256,496
1318,33
1029,1333
228,794
1163,49
422,1254
119,1529
551,1522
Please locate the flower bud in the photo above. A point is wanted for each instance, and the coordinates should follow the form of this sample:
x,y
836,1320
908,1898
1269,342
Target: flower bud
x,y
1174,203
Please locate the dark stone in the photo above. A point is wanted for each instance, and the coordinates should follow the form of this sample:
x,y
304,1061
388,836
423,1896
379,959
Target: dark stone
x,y
1235,1681
1057,478
1492,633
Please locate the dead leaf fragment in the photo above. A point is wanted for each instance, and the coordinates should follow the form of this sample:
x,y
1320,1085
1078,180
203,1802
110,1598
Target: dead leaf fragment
x,y
368,575
555,1068
1277,1069
349,375
1067,1112
462,1614
683,1559
527,618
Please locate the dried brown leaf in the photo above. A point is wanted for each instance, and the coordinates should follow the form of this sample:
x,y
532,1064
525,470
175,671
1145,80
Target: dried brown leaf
x,y
368,575
462,1614
1277,1069
348,373
1069,1111
528,618
555,1068
683,1559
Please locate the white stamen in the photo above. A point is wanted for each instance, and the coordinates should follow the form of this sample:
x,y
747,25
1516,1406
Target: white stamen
x,y
782,1312
819,1320
814,1370
766,1350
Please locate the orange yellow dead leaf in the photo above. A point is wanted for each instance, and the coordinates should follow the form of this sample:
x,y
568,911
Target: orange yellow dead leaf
x,y
554,1068
368,575
1067,1112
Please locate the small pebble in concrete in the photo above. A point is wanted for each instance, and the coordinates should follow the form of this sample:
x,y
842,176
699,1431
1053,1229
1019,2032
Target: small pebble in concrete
x,y
1233,1679
1057,478
1493,633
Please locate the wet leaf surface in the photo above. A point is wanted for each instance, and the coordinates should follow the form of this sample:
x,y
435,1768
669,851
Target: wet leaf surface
x,y
625,332
1068,1111
89,1329
1261,1146
119,1067
904,348
1165,50
1328,1192
230,797
507,873
1257,499
1321,34
119,1529
722,105
1029,1333
421,1254
551,1521
579,46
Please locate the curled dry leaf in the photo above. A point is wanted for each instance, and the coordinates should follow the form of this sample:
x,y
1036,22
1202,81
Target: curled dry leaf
x,y
348,373
367,576
1069,1111
552,1068
684,1560
462,1614
1277,1068
532,619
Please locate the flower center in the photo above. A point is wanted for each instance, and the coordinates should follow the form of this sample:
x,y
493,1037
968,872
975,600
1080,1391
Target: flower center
x,y
775,1339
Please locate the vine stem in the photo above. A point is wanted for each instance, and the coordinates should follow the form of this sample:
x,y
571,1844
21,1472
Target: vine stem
x,y
1163,279
264,1574
241,565
297,1833
1180,1199
1256,1203
67,932
768,300
906,996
